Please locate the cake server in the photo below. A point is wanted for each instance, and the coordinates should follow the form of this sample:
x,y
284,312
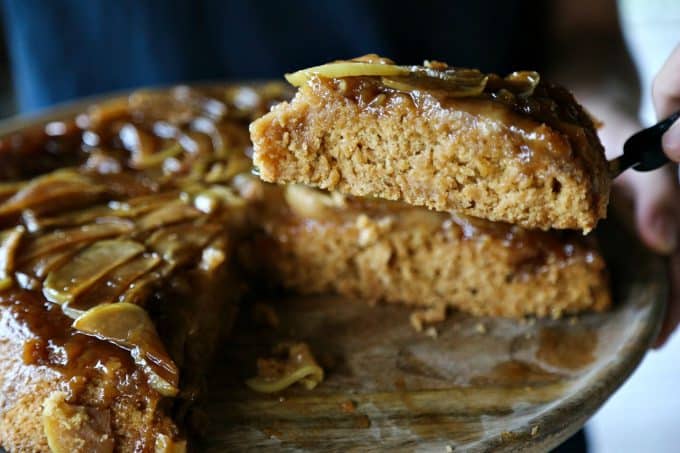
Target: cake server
x,y
643,150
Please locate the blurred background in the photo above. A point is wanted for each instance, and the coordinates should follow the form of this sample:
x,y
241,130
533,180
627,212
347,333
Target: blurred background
x,y
7,102
607,52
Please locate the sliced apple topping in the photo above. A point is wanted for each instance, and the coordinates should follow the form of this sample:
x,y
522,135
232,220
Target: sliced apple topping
x,y
296,364
8,189
221,172
59,189
211,199
130,327
434,77
171,213
340,69
39,246
519,83
103,113
155,186
180,243
64,284
35,223
313,203
454,82
42,265
9,243
108,289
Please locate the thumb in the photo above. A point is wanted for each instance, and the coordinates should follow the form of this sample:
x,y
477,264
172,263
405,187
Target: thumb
x,y
655,213
671,142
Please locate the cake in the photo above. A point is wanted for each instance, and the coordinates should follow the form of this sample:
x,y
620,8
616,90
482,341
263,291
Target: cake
x,y
516,149
393,252
117,276
130,232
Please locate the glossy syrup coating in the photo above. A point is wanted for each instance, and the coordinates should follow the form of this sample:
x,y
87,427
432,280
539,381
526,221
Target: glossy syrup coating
x,y
145,179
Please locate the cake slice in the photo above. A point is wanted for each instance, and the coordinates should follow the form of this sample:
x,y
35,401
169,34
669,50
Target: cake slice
x,y
393,252
515,149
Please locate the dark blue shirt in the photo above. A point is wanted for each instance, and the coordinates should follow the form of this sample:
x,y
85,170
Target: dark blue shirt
x,y
64,49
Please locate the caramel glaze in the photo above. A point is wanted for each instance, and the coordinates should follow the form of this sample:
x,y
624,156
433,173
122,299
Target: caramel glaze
x,y
96,373
548,104
50,341
108,145
33,151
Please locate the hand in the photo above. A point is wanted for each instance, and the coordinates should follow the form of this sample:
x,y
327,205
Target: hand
x,y
656,194
656,198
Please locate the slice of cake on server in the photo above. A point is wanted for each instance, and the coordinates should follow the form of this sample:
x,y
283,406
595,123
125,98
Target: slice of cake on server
x,y
514,149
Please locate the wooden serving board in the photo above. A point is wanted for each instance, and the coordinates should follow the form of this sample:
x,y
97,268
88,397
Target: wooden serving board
x,y
479,385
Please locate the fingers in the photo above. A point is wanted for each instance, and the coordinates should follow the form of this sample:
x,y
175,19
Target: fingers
x,y
671,141
666,97
657,211
657,214
672,318
655,194
657,217
666,86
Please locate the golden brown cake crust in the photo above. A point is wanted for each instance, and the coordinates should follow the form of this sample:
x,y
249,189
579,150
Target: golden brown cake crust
x,y
475,155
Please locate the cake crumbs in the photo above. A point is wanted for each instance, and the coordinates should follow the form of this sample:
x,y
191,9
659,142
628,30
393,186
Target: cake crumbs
x,y
348,407
431,332
429,315
449,449
481,328
534,430
508,436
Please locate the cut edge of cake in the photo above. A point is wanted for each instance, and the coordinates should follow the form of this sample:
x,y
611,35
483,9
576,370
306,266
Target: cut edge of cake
x,y
392,252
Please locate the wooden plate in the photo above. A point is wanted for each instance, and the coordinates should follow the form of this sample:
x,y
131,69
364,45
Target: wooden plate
x,y
480,384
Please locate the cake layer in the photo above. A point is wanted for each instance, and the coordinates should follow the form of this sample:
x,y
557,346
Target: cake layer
x,y
514,150
392,252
